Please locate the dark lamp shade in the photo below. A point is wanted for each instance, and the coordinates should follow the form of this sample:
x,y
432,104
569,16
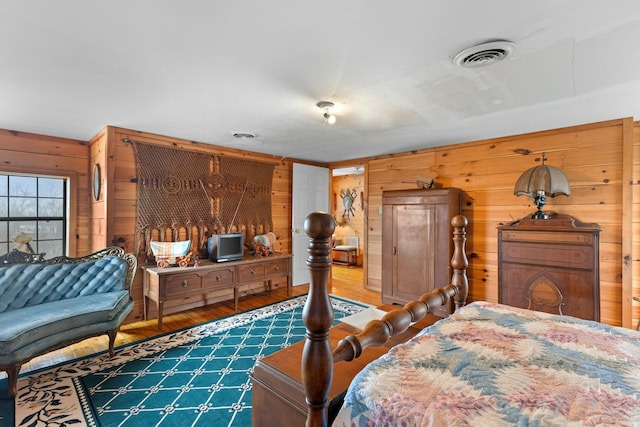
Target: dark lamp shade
x,y
545,178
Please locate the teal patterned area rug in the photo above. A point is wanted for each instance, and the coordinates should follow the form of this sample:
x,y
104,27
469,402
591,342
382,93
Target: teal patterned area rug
x,y
194,377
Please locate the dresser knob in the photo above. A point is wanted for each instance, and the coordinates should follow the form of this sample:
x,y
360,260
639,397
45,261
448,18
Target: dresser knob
x,y
253,272
185,283
218,277
276,268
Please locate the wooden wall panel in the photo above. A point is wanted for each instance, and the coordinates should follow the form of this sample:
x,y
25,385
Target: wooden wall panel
x,y
590,155
122,199
30,153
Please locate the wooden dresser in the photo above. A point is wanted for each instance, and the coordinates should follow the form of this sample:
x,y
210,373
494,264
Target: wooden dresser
x,y
174,283
416,242
550,265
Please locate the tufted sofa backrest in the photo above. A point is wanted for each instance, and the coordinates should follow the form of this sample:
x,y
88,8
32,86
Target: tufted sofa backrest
x,y
23,285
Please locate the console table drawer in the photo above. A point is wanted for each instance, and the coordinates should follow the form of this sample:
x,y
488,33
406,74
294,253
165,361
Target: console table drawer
x,y
222,277
181,284
251,272
277,267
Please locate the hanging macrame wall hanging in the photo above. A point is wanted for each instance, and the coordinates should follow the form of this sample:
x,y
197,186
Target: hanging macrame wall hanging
x,y
201,193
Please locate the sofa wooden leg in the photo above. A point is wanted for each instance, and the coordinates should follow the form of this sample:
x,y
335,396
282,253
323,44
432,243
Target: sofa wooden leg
x,y
12,377
112,339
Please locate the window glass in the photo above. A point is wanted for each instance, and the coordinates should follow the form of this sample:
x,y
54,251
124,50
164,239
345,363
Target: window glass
x,y
50,248
48,187
20,207
50,207
4,238
4,185
48,230
17,227
23,186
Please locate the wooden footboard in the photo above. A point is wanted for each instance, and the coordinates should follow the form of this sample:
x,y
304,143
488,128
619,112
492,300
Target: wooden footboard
x,y
318,357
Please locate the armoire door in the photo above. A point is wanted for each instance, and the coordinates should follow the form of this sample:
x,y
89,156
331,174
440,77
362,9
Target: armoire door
x,y
413,245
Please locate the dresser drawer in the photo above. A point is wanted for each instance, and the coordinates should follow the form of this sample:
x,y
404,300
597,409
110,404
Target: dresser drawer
x,y
181,284
552,255
218,278
576,288
548,236
251,271
277,267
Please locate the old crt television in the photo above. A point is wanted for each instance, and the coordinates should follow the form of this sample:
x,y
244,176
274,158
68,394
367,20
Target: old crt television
x,y
226,247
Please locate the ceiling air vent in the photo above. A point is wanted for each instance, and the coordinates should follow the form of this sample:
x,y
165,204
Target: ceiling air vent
x,y
484,54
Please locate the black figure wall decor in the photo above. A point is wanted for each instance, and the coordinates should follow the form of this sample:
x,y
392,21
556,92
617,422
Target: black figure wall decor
x,y
348,198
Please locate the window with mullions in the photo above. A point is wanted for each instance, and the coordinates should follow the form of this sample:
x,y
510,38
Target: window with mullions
x,y
33,214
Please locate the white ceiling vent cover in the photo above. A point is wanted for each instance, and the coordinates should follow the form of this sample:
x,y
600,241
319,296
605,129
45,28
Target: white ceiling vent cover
x,y
484,54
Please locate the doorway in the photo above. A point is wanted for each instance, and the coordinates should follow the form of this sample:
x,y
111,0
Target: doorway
x,y
348,207
310,193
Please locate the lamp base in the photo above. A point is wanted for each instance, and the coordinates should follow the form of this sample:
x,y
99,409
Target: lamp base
x,y
540,215
540,201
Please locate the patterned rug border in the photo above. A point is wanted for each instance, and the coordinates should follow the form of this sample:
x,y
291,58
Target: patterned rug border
x,y
59,383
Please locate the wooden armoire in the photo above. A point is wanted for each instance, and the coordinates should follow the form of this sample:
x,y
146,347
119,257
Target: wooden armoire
x,y
417,242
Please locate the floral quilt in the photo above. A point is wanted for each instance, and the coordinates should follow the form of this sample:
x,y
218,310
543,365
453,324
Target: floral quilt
x,y
494,365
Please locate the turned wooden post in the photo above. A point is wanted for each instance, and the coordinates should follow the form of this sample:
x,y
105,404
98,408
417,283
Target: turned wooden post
x,y
459,262
317,360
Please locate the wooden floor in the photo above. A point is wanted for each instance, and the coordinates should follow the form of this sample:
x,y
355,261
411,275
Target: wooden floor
x,y
345,282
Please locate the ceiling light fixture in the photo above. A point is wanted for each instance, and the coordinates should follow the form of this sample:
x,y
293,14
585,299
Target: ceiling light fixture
x,y
327,106
243,135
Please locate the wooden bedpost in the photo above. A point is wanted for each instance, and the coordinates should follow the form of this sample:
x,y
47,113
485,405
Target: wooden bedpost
x,y
317,357
317,360
459,262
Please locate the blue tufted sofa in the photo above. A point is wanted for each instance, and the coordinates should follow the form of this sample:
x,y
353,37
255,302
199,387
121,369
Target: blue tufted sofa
x,y
49,304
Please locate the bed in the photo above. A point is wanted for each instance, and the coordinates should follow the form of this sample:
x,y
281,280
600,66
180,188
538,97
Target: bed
x,y
487,364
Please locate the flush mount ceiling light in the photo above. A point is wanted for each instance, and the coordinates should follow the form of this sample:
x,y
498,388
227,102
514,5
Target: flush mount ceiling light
x,y
243,135
484,54
327,106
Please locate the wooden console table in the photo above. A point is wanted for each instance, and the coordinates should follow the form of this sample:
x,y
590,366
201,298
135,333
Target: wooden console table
x,y
278,397
173,283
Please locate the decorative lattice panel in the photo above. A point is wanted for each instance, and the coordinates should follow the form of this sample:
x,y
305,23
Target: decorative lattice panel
x,y
200,193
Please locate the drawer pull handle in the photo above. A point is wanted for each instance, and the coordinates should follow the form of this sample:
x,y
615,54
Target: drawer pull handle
x,y
253,272
185,283
218,278
276,268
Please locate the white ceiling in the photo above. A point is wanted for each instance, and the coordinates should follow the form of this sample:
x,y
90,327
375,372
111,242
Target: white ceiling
x,y
202,70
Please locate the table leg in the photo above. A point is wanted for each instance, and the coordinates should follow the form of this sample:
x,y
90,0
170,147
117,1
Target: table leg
x,y
159,306
235,298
